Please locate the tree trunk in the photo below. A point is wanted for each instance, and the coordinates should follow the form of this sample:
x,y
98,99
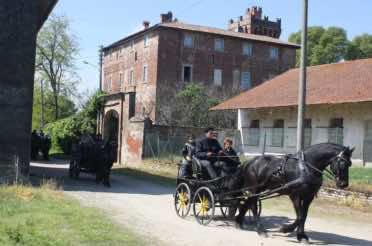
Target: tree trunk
x,y
42,104
56,107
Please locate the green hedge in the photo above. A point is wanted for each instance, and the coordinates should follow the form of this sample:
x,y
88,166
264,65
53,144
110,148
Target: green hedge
x,y
64,132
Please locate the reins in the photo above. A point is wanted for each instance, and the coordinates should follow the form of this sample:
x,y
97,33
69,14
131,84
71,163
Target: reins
x,y
329,174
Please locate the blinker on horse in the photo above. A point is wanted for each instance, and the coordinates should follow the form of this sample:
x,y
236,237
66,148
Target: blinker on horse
x,y
299,176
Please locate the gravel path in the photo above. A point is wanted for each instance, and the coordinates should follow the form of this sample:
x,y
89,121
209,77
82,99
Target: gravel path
x,y
147,208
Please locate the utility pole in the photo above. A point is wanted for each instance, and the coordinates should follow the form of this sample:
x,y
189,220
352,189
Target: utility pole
x,y
302,81
100,66
99,113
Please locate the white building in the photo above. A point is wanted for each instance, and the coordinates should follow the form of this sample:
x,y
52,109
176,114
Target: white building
x,y
339,99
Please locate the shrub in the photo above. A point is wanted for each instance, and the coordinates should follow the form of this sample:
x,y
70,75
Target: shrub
x,y
64,132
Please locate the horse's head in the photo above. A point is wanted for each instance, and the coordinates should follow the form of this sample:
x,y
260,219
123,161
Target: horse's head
x,y
340,165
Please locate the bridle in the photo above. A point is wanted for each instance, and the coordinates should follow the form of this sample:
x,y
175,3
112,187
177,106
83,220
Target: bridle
x,y
328,173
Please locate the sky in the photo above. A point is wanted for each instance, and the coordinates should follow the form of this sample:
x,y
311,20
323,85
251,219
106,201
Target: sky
x,y
102,22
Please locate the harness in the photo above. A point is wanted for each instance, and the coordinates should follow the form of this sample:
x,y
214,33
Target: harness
x,y
328,173
304,166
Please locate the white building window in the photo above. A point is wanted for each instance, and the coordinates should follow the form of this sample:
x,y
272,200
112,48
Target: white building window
x,y
146,40
219,44
274,53
131,45
246,81
247,49
145,74
336,131
131,77
217,78
188,41
254,133
277,134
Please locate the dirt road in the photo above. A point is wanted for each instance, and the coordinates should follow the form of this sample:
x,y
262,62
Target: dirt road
x,y
147,208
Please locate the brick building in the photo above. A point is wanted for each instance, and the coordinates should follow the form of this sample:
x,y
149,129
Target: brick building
x,y
143,72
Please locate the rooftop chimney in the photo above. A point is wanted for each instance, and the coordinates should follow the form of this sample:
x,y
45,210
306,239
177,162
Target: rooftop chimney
x,y
168,17
146,24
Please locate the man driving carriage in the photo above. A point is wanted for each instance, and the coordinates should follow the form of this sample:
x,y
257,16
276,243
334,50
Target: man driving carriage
x,y
207,151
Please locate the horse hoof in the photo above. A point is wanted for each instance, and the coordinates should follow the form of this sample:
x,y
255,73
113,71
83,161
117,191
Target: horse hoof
x,y
239,226
263,234
302,238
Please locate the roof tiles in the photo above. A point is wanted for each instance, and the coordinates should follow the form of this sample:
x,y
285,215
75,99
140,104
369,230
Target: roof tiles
x,y
345,82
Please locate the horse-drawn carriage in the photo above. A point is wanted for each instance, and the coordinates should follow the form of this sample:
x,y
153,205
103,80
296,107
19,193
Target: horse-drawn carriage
x,y
204,196
93,156
298,176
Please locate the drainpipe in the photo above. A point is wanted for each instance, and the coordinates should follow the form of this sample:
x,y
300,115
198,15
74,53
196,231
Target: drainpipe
x,y
121,128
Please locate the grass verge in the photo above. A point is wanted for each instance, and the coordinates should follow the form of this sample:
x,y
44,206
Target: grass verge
x,y
360,180
43,216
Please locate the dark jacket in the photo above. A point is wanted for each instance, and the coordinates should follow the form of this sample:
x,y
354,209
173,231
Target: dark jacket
x,y
188,150
207,145
231,156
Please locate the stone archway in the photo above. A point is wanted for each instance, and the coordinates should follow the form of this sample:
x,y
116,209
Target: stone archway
x,y
111,129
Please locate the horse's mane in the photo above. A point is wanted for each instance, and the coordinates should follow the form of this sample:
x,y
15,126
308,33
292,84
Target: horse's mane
x,y
332,146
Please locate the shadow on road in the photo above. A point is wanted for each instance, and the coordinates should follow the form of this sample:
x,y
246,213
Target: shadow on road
x,y
273,223
58,173
325,238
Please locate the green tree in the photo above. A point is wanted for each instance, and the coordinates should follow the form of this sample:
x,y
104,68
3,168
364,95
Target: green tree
x,y
39,120
324,45
55,56
332,47
360,47
314,35
63,132
192,106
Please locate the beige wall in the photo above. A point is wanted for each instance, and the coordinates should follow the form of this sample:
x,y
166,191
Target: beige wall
x,y
355,116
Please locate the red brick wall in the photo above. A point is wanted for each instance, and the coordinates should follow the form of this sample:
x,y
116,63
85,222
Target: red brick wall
x,y
165,57
172,56
121,60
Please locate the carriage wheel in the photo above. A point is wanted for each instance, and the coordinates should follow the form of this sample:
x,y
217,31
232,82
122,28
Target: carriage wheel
x,y
70,172
182,200
259,208
74,170
203,206
228,212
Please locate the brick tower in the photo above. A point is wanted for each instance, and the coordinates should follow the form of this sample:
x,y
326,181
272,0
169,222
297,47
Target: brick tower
x,y
253,23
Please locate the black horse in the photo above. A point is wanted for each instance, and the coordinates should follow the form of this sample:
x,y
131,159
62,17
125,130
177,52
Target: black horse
x,y
298,176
